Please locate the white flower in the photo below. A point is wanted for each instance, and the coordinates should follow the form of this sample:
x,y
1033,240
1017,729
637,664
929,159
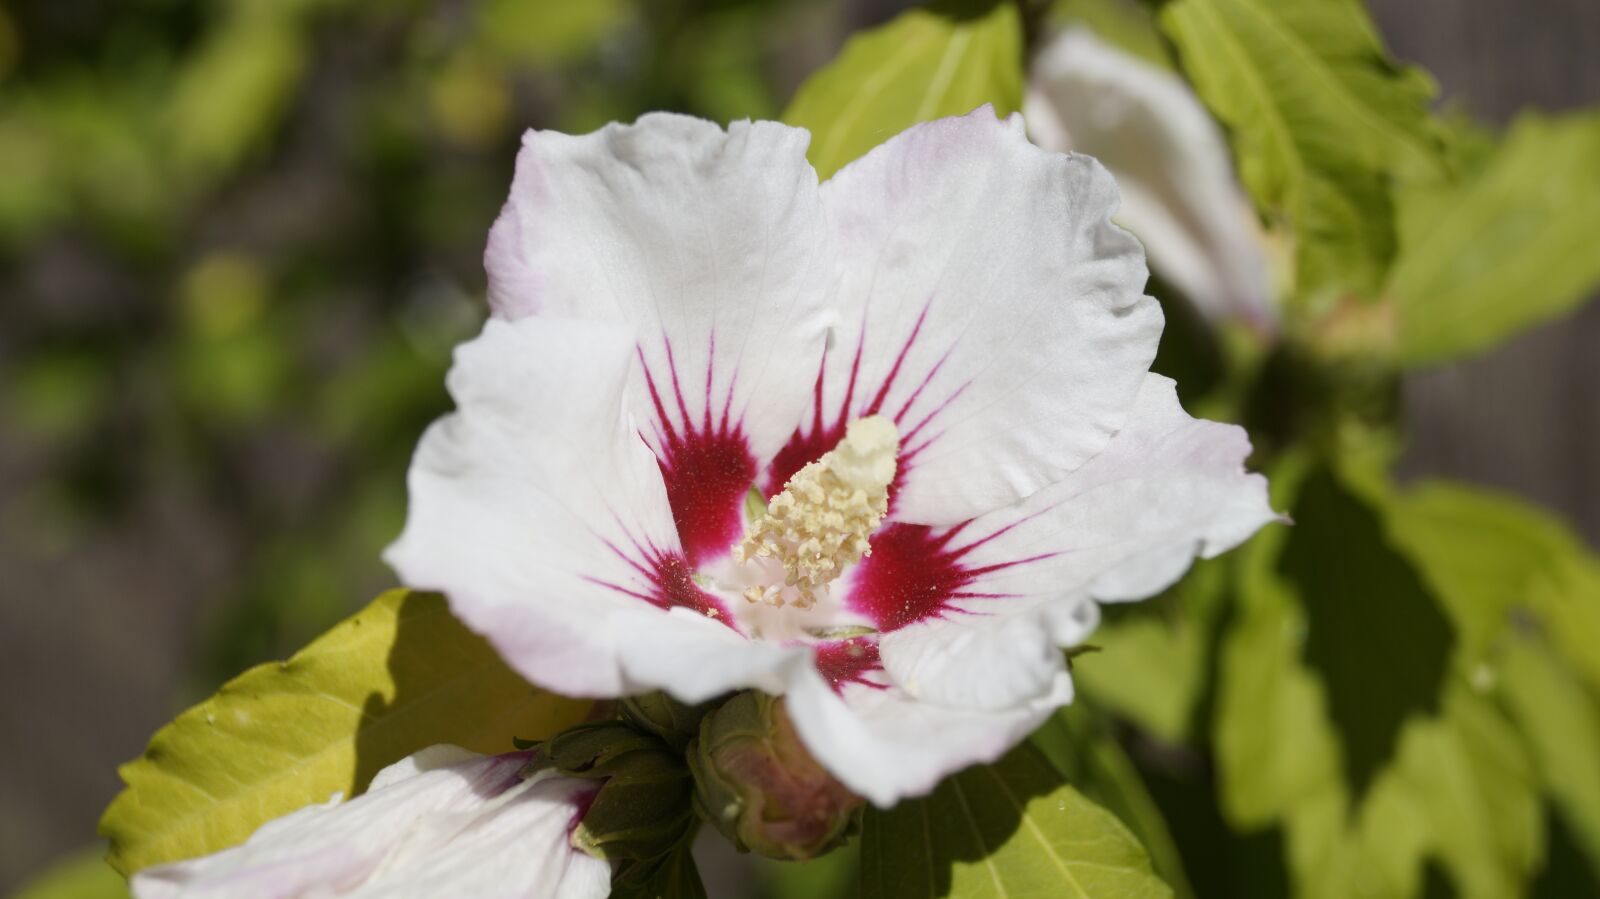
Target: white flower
x,y
444,822
1179,195
681,313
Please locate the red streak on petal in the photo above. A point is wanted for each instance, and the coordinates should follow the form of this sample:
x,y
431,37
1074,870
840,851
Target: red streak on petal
x,y
849,662
707,469
899,359
913,575
909,577
670,585
582,801
827,429
707,476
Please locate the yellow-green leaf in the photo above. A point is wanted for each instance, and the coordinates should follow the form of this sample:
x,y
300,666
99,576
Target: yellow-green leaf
x,y
1504,250
1451,780
1561,722
400,675
1009,830
925,64
82,875
1320,119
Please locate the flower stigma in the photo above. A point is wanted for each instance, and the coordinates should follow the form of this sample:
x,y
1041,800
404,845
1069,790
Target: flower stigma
x,y
820,523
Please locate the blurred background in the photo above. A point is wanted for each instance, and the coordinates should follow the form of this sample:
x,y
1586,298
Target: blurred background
x,y
238,240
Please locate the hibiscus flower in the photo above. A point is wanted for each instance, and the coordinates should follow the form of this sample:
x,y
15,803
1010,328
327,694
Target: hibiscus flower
x,y
1179,194
878,446
444,822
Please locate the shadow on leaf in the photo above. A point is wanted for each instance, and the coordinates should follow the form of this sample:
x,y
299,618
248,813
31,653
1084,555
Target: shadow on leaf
x,y
447,685
1375,634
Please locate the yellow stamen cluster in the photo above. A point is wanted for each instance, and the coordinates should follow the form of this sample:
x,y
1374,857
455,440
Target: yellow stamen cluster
x,y
821,521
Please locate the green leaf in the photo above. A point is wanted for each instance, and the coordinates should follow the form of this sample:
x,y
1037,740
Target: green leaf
x,y
1275,746
1561,721
1128,24
400,675
548,32
82,875
834,874
1457,785
1081,747
1319,117
1502,251
1527,592
1482,552
924,64
1489,556
1374,632
674,877
1008,830
1155,655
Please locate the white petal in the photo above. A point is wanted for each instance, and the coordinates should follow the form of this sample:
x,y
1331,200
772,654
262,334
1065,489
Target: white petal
x,y
436,824
1179,196
1005,590
887,745
709,245
988,306
539,512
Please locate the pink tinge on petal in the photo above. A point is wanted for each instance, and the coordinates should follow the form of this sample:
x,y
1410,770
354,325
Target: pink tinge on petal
x,y
913,574
581,803
672,586
826,429
842,662
706,465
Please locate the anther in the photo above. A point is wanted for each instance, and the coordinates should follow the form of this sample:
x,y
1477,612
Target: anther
x,y
820,523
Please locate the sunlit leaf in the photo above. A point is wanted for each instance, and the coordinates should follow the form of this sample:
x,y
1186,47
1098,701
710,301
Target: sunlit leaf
x,y
1319,118
1482,552
400,675
1561,721
1504,250
1488,554
1456,787
1003,831
1086,753
1527,591
925,64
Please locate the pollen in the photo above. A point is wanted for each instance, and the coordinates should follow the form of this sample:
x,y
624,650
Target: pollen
x,y
820,523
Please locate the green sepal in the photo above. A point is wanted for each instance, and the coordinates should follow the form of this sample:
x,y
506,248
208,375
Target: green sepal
x,y
674,722
597,749
644,808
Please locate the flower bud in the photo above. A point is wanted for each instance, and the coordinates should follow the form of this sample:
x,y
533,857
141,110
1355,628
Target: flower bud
x,y
642,809
759,785
674,722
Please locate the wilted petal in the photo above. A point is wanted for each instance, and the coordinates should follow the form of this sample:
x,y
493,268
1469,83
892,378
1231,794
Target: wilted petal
x,y
987,306
709,246
442,822
1179,195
